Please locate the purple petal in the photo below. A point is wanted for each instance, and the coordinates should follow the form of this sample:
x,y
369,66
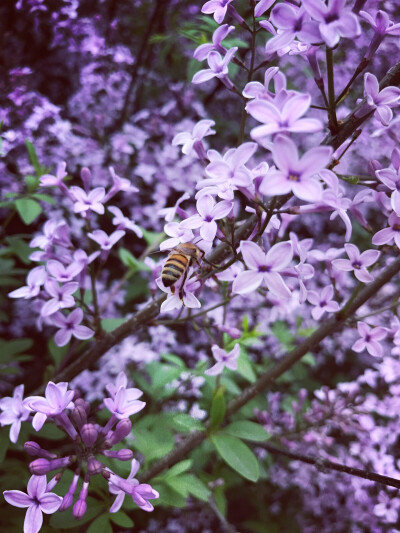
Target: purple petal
x,y
389,95
253,256
359,346
215,370
374,348
243,153
82,332
283,16
33,519
279,42
17,498
342,264
314,160
276,285
49,502
316,9
384,114
371,86
208,230
275,183
363,275
384,236
309,189
285,153
263,111
247,281
203,75
330,34
38,420
221,209
369,257
306,125
280,255
62,337
295,108
259,132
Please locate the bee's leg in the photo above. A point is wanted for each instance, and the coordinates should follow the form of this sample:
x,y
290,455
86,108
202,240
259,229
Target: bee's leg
x,y
172,289
182,285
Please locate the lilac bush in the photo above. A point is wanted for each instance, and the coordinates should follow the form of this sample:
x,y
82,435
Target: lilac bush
x,y
260,390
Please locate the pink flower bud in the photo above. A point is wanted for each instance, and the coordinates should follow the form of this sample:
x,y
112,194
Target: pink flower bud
x,y
122,429
89,434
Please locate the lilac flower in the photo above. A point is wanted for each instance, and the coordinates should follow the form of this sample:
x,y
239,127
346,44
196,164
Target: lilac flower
x,y
63,273
14,412
370,338
169,212
262,6
57,398
224,359
48,180
291,22
382,26
382,100
335,20
255,89
388,507
119,184
125,402
54,232
70,326
357,262
61,296
92,201
282,120
209,211
34,280
200,130
37,500
178,235
391,178
106,242
122,222
140,492
218,68
229,173
264,268
322,301
294,174
203,50
387,235
334,199
218,7
179,296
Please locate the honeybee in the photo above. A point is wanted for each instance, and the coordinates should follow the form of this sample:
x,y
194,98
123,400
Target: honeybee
x,y
177,265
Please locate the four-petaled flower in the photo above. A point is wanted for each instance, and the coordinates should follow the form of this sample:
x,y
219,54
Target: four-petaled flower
x,y
34,280
294,174
125,403
387,235
218,7
357,262
264,267
57,398
187,140
322,301
61,296
92,201
218,68
106,242
37,500
224,359
382,100
370,338
209,211
70,326
14,412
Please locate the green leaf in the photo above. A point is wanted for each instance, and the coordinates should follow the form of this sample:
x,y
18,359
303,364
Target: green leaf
x,y
245,367
178,468
65,520
169,496
57,352
4,442
245,429
131,262
15,346
44,198
121,519
151,237
28,209
174,359
100,525
218,408
185,423
109,324
33,157
32,183
20,248
237,455
154,442
196,487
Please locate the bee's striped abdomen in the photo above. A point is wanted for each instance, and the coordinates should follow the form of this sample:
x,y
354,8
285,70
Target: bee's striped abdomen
x,y
175,266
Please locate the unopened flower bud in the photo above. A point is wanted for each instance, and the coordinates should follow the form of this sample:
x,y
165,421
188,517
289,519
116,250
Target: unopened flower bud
x,y
94,466
69,497
34,450
122,429
79,509
122,455
40,467
79,416
89,434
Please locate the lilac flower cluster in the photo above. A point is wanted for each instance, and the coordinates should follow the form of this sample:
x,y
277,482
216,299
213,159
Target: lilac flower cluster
x,y
89,440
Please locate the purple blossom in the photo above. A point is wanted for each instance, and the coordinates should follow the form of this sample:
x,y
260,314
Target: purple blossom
x,y
255,89
170,212
37,500
334,198
203,50
322,301
209,211
382,100
218,7
262,6
48,180
139,492
391,178
218,68
335,20
61,296
382,26
357,262
281,120
179,295
224,359
387,235
63,273
54,232
294,174
122,222
70,326
119,184
264,268
292,23
57,398
125,403
228,173
178,235
106,242
369,340
92,201
14,412
34,280
187,140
